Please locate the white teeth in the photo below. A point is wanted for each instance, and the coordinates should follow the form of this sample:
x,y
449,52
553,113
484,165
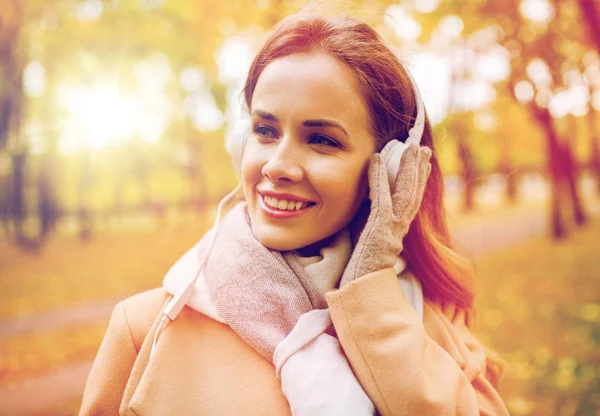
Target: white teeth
x,y
283,204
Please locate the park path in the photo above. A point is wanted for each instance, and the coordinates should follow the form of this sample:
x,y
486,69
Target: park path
x,y
75,315
66,384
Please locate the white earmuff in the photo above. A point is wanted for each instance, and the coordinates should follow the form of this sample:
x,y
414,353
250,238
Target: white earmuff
x,y
239,136
392,152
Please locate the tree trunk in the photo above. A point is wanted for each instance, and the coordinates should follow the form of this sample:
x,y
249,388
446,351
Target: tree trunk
x,y
595,161
511,187
590,12
18,196
84,214
465,159
594,148
467,174
508,172
11,108
511,182
571,178
554,167
555,171
19,161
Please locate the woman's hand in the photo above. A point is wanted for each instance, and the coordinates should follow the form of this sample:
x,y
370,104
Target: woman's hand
x,y
380,241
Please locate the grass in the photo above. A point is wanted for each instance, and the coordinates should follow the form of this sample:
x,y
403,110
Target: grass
x,y
539,307
69,271
29,355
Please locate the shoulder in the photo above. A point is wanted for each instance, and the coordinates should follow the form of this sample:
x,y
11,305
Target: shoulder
x,y
147,303
141,310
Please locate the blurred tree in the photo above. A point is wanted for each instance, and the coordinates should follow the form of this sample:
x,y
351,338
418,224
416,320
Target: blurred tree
x,y
48,209
466,33
12,17
594,147
84,186
553,41
83,49
459,122
590,11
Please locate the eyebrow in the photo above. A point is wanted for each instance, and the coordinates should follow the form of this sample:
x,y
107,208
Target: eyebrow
x,y
306,123
265,115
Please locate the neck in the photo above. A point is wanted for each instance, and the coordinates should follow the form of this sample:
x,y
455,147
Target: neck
x,y
314,249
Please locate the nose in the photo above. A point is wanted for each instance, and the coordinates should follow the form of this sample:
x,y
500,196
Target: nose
x,y
284,165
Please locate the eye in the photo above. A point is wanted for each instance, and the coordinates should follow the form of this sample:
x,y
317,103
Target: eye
x,y
319,139
265,132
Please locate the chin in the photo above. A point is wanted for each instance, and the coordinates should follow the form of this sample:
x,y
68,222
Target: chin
x,y
278,242
288,240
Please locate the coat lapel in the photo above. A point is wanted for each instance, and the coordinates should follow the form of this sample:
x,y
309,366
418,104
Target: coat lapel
x,y
201,367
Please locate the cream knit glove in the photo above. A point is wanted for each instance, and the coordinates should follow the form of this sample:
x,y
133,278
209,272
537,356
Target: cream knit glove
x,y
391,214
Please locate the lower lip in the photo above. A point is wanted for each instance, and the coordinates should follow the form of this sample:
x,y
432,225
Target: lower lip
x,y
279,213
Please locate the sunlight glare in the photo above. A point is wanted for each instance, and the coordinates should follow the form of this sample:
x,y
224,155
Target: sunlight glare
x,y
432,72
89,10
402,23
97,118
560,103
524,91
472,94
34,79
426,6
204,112
538,72
450,26
102,116
153,74
580,99
234,59
191,78
538,11
494,65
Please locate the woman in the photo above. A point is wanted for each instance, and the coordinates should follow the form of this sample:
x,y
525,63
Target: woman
x,y
295,305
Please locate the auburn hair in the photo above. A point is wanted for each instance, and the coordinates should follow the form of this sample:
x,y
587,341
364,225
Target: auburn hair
x,y
445,275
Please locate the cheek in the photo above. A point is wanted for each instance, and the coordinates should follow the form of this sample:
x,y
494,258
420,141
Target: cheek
x,y
251,171
343,186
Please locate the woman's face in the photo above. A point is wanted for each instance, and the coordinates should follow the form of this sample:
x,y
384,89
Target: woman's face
x,y
304,168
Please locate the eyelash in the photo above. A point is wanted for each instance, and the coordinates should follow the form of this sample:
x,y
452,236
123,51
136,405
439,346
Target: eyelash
x,y
330,142
262,131
258,128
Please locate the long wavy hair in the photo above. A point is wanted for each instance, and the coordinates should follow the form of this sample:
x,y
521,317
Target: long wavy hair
x,y
445,275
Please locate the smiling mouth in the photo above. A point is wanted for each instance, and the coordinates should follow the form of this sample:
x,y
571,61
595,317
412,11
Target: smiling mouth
x,y
285,205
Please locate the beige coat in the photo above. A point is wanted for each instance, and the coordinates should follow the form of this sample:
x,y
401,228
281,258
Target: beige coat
x,y
406,365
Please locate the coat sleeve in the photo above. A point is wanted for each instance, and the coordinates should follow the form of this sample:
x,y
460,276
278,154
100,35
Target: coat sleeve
x,y
111,369
400,366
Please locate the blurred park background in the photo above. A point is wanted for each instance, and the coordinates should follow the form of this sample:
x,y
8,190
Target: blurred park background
x,y
114,118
